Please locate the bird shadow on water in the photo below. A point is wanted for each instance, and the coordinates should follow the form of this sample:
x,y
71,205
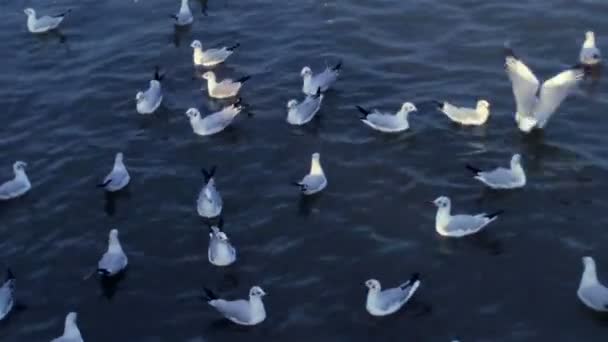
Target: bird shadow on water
x,y
180,33
482,240
18,309
307,204
109,285
110,199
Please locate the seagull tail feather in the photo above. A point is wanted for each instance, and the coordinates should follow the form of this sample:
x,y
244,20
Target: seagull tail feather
x,y
209,295
472,168
494,214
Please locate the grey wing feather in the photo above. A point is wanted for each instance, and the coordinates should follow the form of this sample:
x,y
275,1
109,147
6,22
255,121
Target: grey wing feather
x,y
10,188
238,309
112,262
498,176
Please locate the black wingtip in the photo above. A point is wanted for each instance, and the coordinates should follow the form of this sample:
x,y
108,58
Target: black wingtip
x,y
173,16
318,93
508,50
234,47
495,214
363,111
337,66
415,277
104,184
157,75
472,168
220,222
439,104
63,14
243,79
209,174
209,295
9,274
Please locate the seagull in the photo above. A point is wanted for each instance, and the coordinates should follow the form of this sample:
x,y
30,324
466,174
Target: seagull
x,y
242,312
459,225
7,294
70,331
209,202
387,122
118,178
220,251
590,55
502,178
211,57
384,303
45,23
149,100
466,116
17,186
114,259
213,123
590,291
315,180
324,80
302,113
184,16
224,89
535,111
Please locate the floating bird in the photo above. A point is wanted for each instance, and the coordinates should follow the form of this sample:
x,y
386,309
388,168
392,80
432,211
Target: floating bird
x,y
302,113
17,186
535,111
209,202
210,57
323,80
70,331
466,116
387,122
502,178
459,225
315,180
45,23
242,312
224,89
220,251
590,55
114,259
383,303
7,294
184,16
590,291
213,123
149,101
118,178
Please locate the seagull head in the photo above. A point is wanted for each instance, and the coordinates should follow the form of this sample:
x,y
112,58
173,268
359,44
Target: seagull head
x,y
222,236
373,285
113,233
256,292
292,103
588,262
589,35
442,202
483,104
70,319
209,75
306,71
119,157
196,44
19,166
193,113
316,156
516,159
139,96
29,12
408,107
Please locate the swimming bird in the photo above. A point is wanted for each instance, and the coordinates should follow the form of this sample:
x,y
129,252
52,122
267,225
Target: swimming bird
x,y
184,16
502,178
590,291
315,180
71,333
224,89
220,251
7,294
534,111
150,100
17,186
45,23
323,80
466,116
209,202
459,225
388,122
114,260
215,122
590,55
242,312
118,178
385,302
301,113
211,57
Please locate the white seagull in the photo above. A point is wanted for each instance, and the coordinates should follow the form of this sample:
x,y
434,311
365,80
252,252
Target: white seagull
x,y
45,23
184,16
148,101
388,122
215,122
71,333
535,111
118,178
502,178
242,312
590,291
209,202
17,186
220,251
323,80
210,57
224,89
7,294
301,113
385,302
466,116
114,259
590,55
315,180
459,225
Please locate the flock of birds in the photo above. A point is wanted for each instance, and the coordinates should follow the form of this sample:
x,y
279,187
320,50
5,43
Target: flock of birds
x,y
535,105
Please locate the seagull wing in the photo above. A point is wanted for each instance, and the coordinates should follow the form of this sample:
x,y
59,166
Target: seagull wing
x,y
554,91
